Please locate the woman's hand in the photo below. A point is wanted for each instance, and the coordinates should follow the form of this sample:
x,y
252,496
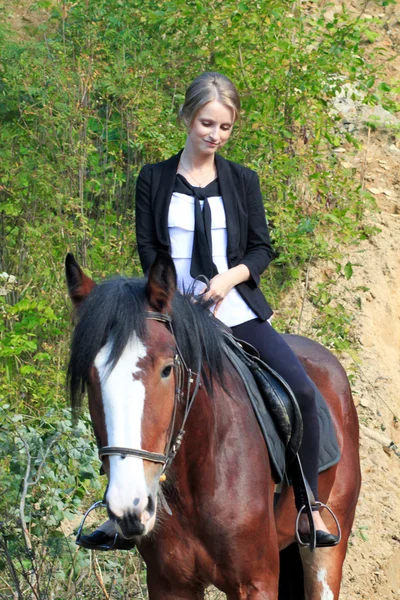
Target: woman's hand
x,y
223,283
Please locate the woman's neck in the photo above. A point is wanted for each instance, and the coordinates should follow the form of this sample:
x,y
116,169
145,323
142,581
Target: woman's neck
x,y
196,161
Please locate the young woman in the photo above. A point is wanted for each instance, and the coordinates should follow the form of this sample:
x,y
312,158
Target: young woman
x,y
207,213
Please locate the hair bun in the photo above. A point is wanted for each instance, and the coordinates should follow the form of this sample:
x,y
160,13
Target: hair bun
x,y
205,88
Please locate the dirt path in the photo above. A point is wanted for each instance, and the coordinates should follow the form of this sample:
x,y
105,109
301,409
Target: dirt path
x,y
373,562
372,568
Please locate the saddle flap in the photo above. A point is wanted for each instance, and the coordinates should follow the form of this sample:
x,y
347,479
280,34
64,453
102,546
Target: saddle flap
x,y
278,413
277,397
275,445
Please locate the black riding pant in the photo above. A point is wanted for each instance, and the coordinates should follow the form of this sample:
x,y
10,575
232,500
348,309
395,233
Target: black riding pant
x,y
277,354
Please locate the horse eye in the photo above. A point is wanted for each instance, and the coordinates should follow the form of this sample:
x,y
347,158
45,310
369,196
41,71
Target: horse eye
x,y
166,372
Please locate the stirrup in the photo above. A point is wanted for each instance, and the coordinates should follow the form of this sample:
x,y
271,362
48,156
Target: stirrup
x,y
315,506
78,541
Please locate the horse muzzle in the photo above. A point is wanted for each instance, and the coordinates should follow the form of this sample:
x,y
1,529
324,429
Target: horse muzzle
x,y
135,520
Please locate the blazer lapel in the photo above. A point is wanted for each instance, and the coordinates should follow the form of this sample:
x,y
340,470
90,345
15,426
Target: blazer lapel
x,y
229,197
163,195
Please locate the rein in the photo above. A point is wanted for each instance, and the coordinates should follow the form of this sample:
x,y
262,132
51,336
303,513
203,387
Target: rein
x,y
182,372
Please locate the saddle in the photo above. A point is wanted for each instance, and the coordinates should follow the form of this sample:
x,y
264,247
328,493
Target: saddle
x,y
278,412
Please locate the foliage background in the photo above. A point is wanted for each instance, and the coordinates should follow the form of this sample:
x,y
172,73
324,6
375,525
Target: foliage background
x,y
89,92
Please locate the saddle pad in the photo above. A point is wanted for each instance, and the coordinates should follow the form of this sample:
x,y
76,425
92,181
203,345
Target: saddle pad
x,y
329,453
275,445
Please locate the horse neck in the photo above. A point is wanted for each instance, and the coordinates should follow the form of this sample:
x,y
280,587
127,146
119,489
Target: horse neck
x,y
214,421
223,456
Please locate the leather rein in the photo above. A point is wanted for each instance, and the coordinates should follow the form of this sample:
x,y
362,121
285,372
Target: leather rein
x,y
184,378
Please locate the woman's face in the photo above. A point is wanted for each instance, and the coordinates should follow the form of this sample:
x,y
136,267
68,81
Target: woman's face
x,y
211,127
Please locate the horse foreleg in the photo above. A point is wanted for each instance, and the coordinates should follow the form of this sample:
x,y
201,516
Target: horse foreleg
x,y
266,589
157,593
323,567
160,589
252,595
323,572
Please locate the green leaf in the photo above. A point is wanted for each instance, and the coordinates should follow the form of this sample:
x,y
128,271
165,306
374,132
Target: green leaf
x,y
385,87
27,370
333,218
348,270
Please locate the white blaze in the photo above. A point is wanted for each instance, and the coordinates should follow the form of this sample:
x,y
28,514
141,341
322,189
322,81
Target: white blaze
x,y
123,401
327,593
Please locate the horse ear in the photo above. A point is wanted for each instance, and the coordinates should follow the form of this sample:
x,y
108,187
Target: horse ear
x,y
161,283
79,284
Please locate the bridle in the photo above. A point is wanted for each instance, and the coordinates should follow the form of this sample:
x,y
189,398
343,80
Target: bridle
x,y
183,377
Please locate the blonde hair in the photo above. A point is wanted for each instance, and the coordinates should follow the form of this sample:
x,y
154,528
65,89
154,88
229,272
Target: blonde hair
x,y
206,88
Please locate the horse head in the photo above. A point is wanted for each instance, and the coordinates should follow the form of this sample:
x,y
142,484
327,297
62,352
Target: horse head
x,y
126,359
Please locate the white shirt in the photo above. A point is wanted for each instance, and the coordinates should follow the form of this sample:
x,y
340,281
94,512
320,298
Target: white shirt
x,y
233,310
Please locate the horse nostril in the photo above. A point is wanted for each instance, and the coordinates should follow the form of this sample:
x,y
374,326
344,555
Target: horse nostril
x,y
150,505
136,501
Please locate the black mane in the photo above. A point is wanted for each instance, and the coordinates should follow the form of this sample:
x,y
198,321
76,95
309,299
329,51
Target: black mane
x,y
116,309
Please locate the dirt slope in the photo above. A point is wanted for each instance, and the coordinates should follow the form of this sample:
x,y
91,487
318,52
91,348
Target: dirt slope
x,y
373,563
373,567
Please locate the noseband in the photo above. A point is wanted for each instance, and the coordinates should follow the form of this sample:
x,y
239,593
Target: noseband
x,y
184,378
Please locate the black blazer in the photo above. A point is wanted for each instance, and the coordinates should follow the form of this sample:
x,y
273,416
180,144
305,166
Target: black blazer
x,y
248,238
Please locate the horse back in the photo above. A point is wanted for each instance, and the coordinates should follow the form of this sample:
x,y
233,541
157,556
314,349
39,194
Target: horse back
x,y
330,378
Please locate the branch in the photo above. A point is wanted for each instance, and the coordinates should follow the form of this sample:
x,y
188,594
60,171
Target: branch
x,y
374,389
245,80
99,576
53,441
382,439
305,292
28,542
12,568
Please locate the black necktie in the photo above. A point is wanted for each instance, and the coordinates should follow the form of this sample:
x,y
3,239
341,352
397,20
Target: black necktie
x,y
202,262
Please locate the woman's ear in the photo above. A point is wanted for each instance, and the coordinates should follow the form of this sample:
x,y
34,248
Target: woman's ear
x,y
79,284
161,283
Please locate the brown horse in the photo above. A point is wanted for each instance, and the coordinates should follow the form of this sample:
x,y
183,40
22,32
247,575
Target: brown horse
x,y
223,529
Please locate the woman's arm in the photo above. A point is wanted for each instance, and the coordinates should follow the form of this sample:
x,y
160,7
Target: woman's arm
x,y
259,251
221,284
145,227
